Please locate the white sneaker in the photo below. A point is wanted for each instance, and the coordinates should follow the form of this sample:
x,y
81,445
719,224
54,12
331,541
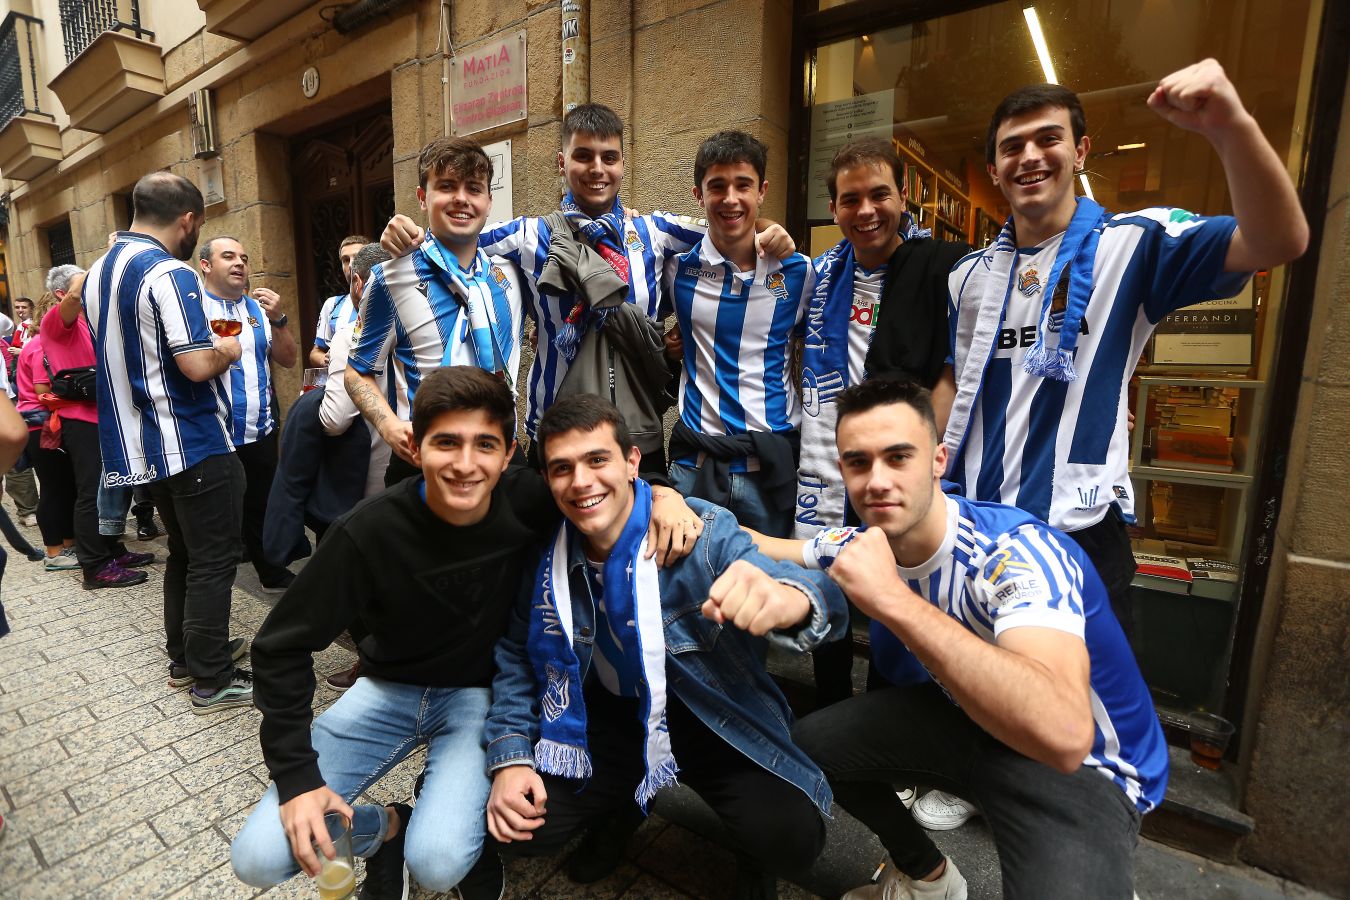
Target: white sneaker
x,y
30,520
896,885
940,811
908,796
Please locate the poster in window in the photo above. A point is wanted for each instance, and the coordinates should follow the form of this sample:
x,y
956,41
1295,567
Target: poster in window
x,y
1214,334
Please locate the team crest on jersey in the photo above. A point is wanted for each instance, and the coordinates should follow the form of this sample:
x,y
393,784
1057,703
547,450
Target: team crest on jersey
x,y
1029,282
777,285
252,322
500,277
633,242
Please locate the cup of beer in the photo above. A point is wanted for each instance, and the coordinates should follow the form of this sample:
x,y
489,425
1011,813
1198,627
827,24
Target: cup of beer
x,y
1209,738
337,876
313,378
227,327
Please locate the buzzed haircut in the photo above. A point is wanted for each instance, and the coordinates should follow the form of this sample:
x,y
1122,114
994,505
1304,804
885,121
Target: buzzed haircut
x,y
161,197
463,388
868,151
58,279
1029,99
874,392
353,239
367,258
594,119
728,148
459,156
581,412
204,252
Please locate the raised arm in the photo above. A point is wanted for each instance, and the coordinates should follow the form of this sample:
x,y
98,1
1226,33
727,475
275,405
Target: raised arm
x,y
284,349
1271,226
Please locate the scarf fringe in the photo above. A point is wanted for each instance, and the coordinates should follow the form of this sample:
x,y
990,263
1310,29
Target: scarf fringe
x,y
1055,364
660,777
562,760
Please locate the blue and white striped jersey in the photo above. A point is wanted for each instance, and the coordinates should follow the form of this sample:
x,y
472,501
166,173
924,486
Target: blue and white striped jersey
x,y
648,242
411,315
247,383
145,307
1061,450
737,329
329,316
999,568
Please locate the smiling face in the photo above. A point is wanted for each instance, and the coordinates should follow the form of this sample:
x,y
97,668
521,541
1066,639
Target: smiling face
x,y
226,272
731,194
456,206
22,309
462,455
592,482
867,208
891,463
592,166
1035,159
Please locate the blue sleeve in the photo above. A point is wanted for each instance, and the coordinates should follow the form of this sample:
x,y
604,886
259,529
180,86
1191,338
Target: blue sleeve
x,y
678,233
512,726
1184,256
375,328
507,240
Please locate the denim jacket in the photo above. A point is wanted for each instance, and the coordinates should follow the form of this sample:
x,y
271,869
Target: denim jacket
x,y
713,669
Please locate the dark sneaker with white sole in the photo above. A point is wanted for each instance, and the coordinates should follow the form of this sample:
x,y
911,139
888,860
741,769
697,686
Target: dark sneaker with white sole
x,y
179,675
486,880
386,871
113,575
238,692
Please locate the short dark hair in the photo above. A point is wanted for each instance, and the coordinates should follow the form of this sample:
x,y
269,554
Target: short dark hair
x,y
353,239
727,147
581,412
594,119
460,156
1029,99
868,151
367,257
460,388
874,392
161,197
204,253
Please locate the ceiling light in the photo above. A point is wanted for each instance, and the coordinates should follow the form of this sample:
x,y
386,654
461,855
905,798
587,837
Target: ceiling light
x,y
1042,49
1137,146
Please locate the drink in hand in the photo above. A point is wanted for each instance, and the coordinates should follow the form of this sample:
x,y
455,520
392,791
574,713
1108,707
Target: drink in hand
x,y
227,327
336,880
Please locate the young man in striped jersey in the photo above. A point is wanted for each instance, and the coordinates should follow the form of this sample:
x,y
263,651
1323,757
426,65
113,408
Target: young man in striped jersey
x,y
445,303
338,309
265,339
1036,709
164,421
736,440
591,163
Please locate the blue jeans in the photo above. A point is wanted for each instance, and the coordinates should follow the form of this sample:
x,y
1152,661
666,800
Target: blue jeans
x,y
369,730
748,503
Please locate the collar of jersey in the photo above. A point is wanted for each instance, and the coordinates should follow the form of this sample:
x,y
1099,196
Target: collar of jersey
x,y
443,259
764,265
934,562
143,239
220,299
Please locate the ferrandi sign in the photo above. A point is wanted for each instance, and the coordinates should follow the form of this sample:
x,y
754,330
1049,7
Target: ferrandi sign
x,y
487,86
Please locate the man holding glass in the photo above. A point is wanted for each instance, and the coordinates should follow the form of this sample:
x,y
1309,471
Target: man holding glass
x,y
164,422
264,337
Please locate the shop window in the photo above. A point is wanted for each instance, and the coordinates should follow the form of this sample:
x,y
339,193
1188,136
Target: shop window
x,y
60,243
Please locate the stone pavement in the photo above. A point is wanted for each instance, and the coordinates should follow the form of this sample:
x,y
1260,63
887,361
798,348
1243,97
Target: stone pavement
x,y
112,786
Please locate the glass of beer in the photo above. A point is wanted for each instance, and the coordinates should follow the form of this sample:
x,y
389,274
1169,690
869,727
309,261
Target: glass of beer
x,y
337,876
227,327
1209,739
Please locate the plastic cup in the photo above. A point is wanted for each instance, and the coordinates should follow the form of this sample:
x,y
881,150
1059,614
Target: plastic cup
x,y
1209,739
313,378
337,876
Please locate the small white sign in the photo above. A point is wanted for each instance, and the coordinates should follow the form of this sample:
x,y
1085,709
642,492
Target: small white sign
x,y
503,207
212,181
835,124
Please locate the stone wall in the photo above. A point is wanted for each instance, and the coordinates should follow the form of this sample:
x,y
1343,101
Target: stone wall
x,y
1296,768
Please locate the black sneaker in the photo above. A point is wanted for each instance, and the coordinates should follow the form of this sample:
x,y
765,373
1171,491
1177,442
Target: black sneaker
x,y
386,872
178,673
279,586
146,529
237,692
486,880
601,850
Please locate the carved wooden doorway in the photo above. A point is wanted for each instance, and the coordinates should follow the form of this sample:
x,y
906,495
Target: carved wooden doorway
x,y
343,182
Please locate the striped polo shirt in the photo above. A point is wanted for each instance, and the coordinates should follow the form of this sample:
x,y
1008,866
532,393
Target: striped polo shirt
x,y
144,308
649,241
329,315
248,382
737,329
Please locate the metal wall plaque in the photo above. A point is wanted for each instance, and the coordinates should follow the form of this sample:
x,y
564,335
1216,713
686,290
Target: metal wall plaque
x,y
309,83
487,86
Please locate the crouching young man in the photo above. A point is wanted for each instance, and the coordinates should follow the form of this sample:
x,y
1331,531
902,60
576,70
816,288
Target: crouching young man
x,y
1036,712
615,676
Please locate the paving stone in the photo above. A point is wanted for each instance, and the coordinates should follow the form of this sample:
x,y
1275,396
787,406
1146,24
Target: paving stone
x,y
112,784
18,662
71,770
38,682
222,734
118,854
22,739
133,696
130,645
219,766
184,819
96,668
560,887
99,615
87,695
126,807
218,883
17,856
18,766
181,722
173,869
128,723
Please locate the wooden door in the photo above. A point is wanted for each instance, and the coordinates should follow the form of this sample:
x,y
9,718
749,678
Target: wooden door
x,y
343,181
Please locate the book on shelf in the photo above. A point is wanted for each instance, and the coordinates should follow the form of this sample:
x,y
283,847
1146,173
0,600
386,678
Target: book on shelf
x,y
1216,579
1162,573
1186,512
1197,449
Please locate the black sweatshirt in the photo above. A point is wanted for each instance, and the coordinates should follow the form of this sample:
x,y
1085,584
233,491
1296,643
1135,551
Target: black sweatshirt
x,y
433,598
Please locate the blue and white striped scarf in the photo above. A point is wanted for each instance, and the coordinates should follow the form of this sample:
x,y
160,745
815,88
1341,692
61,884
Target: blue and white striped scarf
x,y
481,292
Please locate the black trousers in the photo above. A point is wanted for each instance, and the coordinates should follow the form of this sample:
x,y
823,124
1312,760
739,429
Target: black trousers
x,y
259,459
56,504
80,442
1107,544
771,822
1058,836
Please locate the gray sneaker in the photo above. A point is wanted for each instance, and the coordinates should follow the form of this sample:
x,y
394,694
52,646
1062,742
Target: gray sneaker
x,y
238,692
178,673
61,562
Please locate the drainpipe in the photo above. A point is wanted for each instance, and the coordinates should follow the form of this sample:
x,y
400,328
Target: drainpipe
x,y
576,54
447,51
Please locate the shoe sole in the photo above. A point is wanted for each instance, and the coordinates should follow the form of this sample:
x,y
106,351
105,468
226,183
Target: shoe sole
x,y
942,826
128,583
188,680
221,705
341,689
60,568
